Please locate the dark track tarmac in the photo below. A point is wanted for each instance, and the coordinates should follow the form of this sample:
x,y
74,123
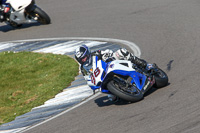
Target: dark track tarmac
x,y
168,33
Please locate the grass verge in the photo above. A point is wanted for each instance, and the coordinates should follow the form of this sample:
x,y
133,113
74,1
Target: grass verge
x,y
29,79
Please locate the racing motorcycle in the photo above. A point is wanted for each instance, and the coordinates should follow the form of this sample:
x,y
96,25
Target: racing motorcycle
x,y
124,79
23,11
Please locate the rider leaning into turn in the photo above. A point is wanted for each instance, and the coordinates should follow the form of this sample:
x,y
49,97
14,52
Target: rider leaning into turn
x,y
84,56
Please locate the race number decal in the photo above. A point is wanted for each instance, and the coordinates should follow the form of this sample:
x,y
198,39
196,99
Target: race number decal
x,y
96,72
94,75
92,79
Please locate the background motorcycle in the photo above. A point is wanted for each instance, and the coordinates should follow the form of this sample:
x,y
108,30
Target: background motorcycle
x,y
24,11
124,79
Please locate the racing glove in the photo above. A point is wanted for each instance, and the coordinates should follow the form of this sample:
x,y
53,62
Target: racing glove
x,y
103,55
97,53
106,54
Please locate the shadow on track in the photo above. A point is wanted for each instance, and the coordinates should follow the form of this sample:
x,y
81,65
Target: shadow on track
x,y
103,101
7,28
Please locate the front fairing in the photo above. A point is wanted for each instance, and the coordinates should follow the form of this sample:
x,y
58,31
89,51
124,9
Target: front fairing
x,y
18,5
125,68
98,72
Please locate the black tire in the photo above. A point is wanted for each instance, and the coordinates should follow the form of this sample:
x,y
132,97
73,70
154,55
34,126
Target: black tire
x,y
122,94
42,17
161,79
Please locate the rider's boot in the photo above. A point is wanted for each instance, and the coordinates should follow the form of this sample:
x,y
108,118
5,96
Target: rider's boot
x,y
137,61
149,67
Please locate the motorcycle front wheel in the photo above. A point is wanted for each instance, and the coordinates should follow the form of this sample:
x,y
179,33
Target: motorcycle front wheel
x,y
131,95
41,16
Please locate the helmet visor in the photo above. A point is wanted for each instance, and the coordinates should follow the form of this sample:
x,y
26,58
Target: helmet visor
x,y
84,58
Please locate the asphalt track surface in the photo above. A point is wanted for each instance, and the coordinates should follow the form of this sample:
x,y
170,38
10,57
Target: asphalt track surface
x,y
167,32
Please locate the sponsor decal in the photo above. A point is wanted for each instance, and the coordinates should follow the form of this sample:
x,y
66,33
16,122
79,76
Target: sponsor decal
x,y
94,75
145,87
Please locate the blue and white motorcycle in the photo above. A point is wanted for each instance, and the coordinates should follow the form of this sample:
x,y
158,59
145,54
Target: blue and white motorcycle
x,y
123,79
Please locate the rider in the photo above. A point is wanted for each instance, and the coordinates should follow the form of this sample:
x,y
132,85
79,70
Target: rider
x,y
4,8
84,56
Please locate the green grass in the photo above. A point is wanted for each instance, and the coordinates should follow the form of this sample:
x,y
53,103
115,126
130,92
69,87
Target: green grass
x,y
29,79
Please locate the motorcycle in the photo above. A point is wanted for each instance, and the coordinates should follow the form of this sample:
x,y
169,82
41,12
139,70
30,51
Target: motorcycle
x,y
124,79
23,11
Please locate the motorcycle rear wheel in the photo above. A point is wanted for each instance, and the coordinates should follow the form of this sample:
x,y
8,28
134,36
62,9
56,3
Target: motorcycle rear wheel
x,y
116,90
41,16
161,79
